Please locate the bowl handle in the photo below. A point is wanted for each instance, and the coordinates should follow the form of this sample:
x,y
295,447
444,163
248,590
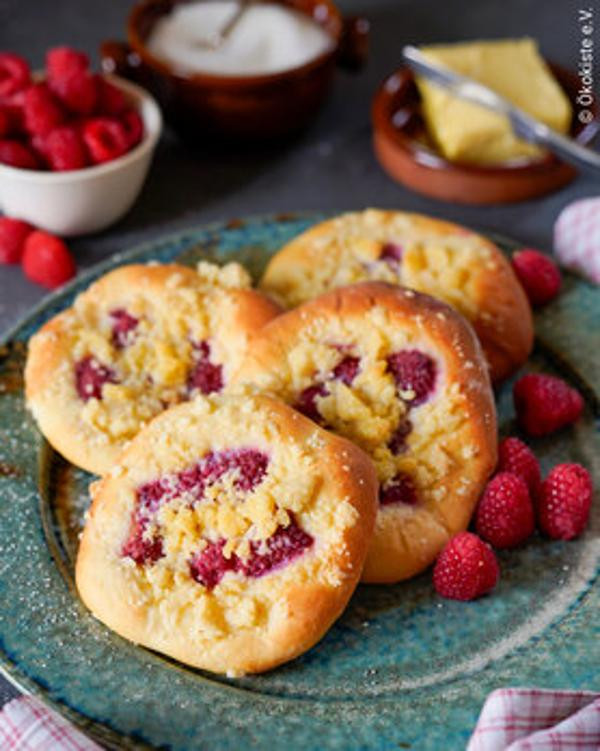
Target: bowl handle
x,y
353,49
118,58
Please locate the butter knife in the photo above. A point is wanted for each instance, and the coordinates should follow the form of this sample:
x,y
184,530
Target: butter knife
x,y
524,125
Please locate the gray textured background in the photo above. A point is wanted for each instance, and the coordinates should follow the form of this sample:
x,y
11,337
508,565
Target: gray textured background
x,y
331,166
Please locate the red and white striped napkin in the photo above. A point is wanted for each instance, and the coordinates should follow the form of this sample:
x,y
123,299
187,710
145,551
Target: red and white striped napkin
x,y
531,719
512,719
577,238
28,725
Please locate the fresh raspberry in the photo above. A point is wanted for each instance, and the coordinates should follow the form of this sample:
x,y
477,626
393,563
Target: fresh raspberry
x,y
77,92
13,233
134,127
538,274
545,403
413,371
565,499
516,457
466,568
16,154
46,260
5,122
505,515
64,149
12,117
41,110
14,74
111,100
63,62
105,138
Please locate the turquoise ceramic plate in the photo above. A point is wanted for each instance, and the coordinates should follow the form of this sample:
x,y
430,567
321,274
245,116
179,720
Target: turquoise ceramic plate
x,y
401,669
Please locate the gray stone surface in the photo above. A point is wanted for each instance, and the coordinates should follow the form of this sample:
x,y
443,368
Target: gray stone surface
x,y
331,166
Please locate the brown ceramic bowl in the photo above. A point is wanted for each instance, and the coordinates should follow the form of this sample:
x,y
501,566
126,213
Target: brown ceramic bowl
x,y
244,108
406,152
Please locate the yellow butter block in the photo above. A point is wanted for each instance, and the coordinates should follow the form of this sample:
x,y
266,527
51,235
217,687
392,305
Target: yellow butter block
x,y
513,68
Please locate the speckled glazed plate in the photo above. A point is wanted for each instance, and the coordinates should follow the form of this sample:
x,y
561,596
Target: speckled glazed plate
x,y
401,669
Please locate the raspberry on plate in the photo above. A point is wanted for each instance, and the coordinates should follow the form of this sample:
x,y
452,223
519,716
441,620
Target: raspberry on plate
x,y
47,260
42,111
516,457
13,233
64,149
466,568
16,154
14,74
63,62
105,138
545,403
538,274
505,516
565,500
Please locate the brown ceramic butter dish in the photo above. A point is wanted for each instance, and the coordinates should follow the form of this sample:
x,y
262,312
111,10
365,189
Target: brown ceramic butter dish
x,y
244,107
406,151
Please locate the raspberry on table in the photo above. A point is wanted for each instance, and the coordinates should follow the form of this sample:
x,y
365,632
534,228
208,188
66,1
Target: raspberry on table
x,y
41,111
505,516
63,62
516,457
466,568
16,154
64,149
565,500
538,274
47,260
14,74
545,403
105,138
13,233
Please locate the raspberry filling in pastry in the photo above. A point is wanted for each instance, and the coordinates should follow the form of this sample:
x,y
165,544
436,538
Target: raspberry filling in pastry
x,y
123,326
246,469
286,544
391,253
90,377
415,374
204,376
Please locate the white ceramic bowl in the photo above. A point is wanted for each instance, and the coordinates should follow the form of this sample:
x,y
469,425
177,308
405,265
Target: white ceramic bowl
x,y
87,200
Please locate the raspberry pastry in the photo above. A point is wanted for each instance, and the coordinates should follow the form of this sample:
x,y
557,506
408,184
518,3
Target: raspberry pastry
x,y
231,534
402,375
438,258
140,339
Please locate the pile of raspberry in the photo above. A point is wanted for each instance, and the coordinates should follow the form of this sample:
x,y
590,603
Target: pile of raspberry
x,y
516,500
70,120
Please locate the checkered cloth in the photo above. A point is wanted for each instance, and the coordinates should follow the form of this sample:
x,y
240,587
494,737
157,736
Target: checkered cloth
x,y
577,238
526,719
513,719
27,725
